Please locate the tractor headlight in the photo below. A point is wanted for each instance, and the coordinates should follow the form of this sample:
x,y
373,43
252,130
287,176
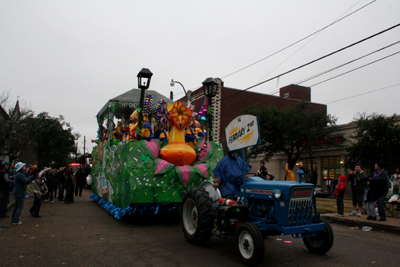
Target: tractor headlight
x,y
277,193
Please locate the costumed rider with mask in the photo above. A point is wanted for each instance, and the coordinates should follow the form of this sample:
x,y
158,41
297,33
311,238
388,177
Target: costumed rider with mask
x,y
229,175
146,133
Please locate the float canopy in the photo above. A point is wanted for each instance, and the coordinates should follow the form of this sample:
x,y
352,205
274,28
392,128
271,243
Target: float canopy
x,y
129,102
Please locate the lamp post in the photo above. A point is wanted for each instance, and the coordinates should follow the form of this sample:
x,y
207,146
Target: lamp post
x,y
144,77
184,90
210,88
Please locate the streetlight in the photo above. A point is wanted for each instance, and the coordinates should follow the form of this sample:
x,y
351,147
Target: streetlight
x,y
184,90
210,88
144,77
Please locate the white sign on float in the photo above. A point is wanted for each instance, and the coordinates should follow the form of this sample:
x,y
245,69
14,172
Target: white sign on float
x,y
242,132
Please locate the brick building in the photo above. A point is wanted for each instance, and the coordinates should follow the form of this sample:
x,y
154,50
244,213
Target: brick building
x,y
229,103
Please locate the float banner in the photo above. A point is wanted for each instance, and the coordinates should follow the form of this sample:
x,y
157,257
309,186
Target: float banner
x,y
242,132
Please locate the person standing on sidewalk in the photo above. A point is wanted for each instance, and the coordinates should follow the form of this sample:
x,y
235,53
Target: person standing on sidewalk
x,y
55,182
357,190
61,183
80,181
50,182
339,195
20,182
70,186
377,190
36,188
5,182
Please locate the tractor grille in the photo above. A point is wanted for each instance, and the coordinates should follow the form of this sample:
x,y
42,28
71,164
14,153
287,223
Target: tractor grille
x,y
300,208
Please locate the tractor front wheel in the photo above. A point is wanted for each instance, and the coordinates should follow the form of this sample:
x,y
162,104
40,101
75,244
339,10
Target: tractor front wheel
x,y
250,243
197,225
322,242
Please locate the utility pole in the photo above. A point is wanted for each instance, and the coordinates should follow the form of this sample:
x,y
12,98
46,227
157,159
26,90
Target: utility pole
x,y
84,147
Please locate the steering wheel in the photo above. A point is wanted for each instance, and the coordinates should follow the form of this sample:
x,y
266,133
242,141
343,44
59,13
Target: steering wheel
x,y
239,180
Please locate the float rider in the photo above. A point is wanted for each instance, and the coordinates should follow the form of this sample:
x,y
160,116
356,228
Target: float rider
x,y
229,175
191,136
160,133
199,131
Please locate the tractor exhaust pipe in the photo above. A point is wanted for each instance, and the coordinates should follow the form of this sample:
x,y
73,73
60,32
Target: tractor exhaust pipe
x,y
300,173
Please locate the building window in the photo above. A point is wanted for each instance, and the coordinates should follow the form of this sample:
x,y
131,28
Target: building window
x,y
331,167
286,95
307,162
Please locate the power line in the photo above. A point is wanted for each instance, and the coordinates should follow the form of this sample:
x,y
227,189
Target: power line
x,y
295,52
344,64
383,88
344,73
258,61
313,61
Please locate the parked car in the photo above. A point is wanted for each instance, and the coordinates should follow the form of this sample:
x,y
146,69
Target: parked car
x,y
321,191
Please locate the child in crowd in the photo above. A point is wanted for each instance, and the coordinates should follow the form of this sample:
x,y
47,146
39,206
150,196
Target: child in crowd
x,y
339,195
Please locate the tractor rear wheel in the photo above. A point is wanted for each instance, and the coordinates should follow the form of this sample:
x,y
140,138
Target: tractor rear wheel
x,y
250,243
322,242
197,225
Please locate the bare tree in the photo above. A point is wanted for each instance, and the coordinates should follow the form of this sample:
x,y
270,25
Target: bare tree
x,y
13,140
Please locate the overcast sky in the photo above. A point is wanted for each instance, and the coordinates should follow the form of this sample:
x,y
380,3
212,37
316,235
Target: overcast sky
x,y
69,57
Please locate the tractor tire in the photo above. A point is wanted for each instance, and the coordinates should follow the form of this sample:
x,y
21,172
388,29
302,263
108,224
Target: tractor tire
x,y
197,225
250,244
322,242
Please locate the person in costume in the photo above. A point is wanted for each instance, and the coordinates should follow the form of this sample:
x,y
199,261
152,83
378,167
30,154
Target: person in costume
x,y
227,175
125,133
118,131
133,125
147,131
191,136
199,131
160,133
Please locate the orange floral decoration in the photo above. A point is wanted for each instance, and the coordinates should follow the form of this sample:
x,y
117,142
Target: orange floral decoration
x,y
179,115
177,151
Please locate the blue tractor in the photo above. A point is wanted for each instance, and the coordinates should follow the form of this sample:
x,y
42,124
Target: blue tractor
x,y
268,208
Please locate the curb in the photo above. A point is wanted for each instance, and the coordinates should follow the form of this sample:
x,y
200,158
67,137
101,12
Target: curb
x,y
375,225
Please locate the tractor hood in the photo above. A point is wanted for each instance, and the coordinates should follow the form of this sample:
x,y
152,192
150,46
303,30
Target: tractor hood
x,y
264,189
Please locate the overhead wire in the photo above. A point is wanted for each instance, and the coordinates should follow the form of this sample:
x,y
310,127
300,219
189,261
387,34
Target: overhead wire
x,y
295,52
362,66
344,64
383,88
302,39
313,61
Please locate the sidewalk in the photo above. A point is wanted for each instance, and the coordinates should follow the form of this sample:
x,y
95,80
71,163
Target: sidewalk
x,y
390,225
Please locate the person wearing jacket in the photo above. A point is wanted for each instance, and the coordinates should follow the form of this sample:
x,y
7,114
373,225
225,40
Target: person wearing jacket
x,y
227,175
36,188
61,183
80,181
339,195
377,190
20,183
289,173
50,182
5,182
312,175
70,187
357,190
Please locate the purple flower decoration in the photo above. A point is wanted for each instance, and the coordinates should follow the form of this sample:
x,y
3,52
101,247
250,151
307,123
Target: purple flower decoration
x,y
163,115
194,114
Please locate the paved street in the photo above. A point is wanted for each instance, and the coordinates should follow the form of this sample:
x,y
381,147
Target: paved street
x,y
83,234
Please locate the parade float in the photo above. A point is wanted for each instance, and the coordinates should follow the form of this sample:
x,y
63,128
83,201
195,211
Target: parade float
x,y
146,177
